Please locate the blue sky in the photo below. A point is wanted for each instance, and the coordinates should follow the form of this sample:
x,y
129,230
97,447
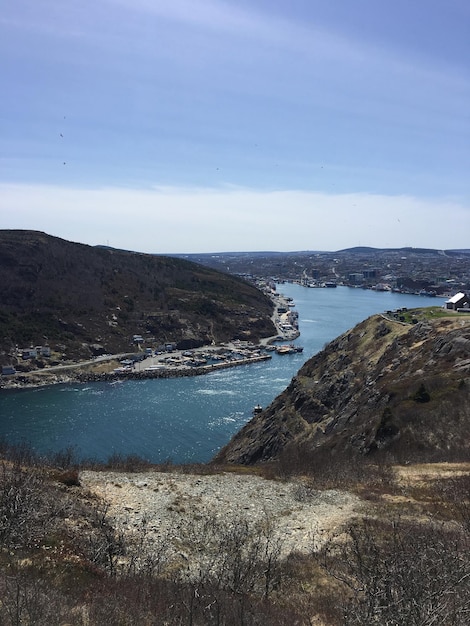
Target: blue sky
x,y
207,125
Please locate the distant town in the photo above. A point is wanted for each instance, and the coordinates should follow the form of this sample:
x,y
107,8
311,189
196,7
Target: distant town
x,y
155,349
406,270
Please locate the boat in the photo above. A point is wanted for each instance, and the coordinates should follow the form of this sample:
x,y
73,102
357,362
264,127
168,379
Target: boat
x,y
289,349
257,409
285,350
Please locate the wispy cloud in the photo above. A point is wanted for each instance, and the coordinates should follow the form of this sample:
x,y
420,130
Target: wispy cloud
x,y
211,14
254,27
167,220
314,38
169,92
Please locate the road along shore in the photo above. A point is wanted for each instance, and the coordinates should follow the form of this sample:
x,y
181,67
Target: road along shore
x,y
172,365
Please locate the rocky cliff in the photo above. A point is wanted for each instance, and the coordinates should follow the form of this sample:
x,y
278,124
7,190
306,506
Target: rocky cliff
x,y
383,389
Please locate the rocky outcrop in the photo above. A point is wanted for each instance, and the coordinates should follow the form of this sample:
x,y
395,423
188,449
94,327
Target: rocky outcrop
x,y
382,389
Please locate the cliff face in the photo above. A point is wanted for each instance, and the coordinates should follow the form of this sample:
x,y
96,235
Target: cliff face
x,y
383,389
75,296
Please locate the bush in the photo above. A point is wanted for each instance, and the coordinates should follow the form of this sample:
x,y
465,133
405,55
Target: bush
x,y
422,395
402,572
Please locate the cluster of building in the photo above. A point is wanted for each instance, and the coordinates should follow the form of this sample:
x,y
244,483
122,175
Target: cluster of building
x,y
25,354
286,318
34,353
409,270
181,360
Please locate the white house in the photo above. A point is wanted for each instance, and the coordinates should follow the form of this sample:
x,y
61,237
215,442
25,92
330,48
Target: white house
x,y
459,301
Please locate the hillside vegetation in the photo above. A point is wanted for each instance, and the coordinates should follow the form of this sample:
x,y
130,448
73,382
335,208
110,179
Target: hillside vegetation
x,y
84,300
197,546
384,390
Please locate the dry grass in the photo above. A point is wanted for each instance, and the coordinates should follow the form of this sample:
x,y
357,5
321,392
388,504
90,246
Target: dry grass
x,y
63,560
424,472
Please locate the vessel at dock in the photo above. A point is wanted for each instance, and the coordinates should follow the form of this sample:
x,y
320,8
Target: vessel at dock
x,y
288,349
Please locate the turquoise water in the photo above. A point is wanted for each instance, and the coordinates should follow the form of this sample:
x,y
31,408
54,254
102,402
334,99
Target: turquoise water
x,y
183,419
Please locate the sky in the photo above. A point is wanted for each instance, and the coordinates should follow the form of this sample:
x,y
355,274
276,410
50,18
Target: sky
x,y
184,126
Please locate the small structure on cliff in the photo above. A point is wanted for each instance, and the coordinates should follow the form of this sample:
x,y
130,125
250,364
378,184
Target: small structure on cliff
x,y
459,301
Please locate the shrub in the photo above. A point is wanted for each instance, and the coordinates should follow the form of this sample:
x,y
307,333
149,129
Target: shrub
x,y
422,395
401,572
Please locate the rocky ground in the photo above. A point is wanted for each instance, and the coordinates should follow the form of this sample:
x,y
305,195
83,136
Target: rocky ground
x,y
165,503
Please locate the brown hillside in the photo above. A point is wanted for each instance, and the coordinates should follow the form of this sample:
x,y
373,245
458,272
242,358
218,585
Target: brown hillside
x,y
80,299
382,390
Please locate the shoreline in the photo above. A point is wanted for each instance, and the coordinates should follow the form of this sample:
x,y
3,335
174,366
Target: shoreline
x,y
46,379
82,372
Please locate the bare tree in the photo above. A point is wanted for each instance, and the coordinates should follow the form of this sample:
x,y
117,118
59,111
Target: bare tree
x,y
402,572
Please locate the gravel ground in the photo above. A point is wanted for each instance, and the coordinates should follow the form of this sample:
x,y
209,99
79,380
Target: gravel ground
x,y
167,502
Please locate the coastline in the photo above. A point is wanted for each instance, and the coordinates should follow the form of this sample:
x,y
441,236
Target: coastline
x,y
45,378
106,369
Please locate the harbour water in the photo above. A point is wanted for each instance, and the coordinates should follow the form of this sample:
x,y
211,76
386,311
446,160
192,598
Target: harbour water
x,y
186,420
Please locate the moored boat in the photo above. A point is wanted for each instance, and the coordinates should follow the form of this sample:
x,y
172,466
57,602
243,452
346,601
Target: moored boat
x,y
285,350
289,349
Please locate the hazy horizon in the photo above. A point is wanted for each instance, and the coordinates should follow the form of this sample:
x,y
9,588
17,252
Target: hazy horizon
x,y
247,125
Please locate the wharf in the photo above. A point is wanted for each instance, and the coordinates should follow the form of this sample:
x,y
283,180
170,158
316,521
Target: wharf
x,y
170,365
169,372
78,375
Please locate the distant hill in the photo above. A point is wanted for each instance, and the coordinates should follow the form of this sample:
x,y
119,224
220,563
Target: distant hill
x,y
295,253
405,250
82,299
383,390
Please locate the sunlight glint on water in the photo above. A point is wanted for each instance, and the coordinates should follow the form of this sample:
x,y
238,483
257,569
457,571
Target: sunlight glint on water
x,y
183,419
